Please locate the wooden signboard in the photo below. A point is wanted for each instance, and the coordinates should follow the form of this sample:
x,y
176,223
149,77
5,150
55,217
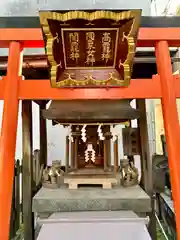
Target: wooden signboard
x,y
90,48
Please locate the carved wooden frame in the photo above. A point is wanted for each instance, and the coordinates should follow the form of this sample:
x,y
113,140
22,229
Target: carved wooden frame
x,y
90,16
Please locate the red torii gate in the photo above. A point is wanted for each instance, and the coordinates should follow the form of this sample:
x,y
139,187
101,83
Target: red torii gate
x,y
13,88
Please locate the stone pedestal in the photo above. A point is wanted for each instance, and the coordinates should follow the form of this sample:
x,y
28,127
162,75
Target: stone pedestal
x,y
91,199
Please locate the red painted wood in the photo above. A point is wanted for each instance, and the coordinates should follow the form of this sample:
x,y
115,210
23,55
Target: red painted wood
x,y
8,138
32,37
41,89
171,122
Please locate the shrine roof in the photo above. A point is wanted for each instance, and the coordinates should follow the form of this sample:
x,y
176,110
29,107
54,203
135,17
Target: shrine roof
x,y
34,22
91,111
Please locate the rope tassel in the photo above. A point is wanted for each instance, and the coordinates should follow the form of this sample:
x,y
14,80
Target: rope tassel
x,y
83,133
70,137
89,151
113,132
100,133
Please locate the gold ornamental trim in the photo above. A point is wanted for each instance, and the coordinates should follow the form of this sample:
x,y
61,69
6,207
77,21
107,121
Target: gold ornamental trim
x,y
90,16
129,58
89,81
116,16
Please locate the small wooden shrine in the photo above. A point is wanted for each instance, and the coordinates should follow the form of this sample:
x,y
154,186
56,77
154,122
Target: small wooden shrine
x,y
91,127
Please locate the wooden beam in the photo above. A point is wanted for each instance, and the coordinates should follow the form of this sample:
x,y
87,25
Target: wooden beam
x,y
138,88
149,36
42,90
27,169
32,37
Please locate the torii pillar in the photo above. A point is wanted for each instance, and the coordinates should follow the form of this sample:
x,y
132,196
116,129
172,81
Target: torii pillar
x,y
171,122
8,136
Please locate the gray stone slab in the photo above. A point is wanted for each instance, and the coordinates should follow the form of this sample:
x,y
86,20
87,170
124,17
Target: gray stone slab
x,y
91,199
106,225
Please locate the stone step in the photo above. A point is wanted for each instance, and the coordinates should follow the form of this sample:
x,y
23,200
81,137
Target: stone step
x,y
74,182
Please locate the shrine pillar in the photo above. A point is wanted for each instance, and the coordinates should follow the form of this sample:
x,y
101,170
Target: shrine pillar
x,y
72,154
8,136
105,153
67,154
43,134
108,147
27,169
116,155
76,152
171,123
